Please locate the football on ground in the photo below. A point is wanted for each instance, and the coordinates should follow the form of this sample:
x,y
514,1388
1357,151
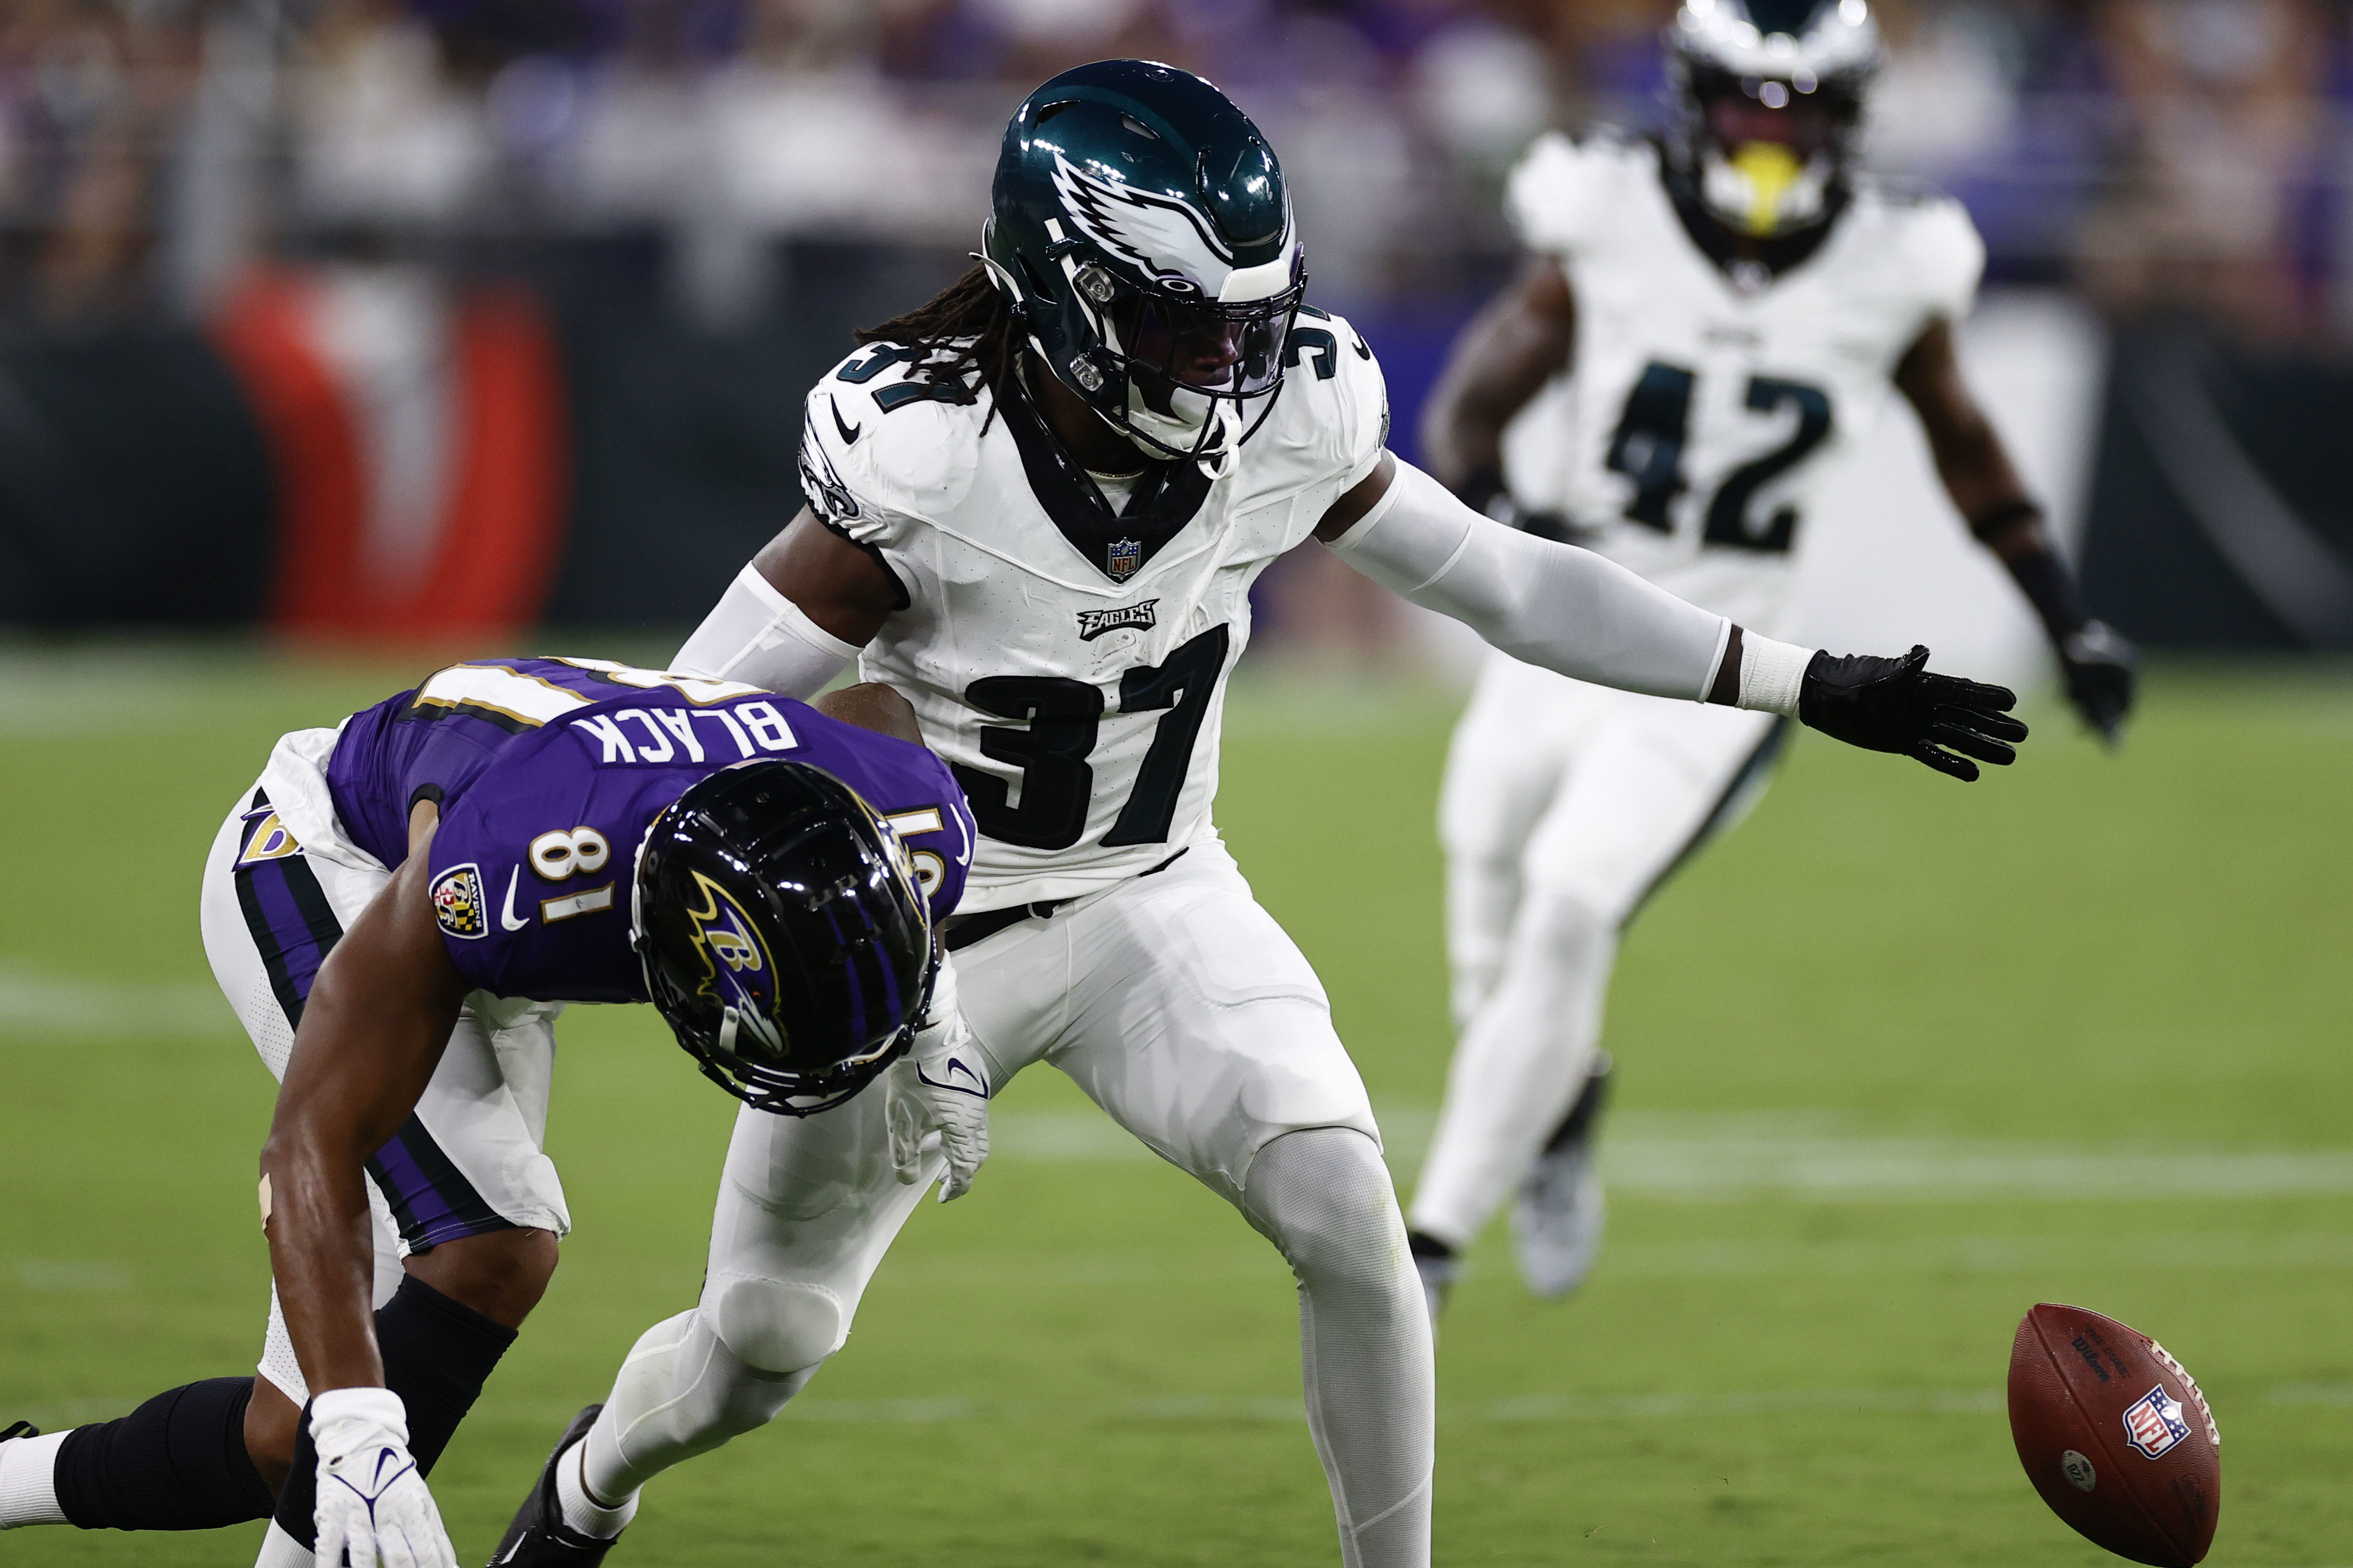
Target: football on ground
x,y
2114,1435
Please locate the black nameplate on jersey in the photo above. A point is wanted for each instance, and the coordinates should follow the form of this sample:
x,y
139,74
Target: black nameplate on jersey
x,y
1093,624
1117,544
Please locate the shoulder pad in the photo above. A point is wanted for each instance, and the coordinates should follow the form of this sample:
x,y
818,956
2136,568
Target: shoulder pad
x,y
876,438
1331,419
1928,242
1561,191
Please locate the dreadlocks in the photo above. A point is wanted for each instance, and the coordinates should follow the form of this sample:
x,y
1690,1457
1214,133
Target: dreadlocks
x,y
964,329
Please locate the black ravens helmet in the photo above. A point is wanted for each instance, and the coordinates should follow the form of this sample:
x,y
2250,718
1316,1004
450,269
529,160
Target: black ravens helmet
x,y
1140,228
783,934
1767,97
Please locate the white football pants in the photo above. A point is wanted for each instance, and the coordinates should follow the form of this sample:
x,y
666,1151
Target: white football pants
x,y
1184,1011
470,1159
1565,804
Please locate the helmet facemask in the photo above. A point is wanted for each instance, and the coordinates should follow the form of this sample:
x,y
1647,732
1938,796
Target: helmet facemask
x,y
1770,150
1767,120
1186,365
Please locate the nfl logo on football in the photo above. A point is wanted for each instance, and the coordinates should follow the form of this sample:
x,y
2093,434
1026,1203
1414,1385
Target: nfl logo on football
x,y
1124,557
2154,1422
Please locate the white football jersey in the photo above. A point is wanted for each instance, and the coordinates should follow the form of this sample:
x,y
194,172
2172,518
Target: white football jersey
x,y
1702,416
1069,662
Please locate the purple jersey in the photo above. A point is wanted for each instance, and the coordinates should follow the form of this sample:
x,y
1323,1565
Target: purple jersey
x,y
549,773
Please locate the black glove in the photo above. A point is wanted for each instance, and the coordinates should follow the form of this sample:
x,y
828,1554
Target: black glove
x,y
1896,705
2099,664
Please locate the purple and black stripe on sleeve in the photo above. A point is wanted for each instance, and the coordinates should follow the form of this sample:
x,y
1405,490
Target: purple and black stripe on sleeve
x,y
294,927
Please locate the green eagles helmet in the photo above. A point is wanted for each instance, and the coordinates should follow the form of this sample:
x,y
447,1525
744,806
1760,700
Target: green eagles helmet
x,y
1140,228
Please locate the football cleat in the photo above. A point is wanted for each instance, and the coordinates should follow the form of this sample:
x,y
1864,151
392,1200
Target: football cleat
x,y
1559,1219
1439,1267
539,1538
21,1429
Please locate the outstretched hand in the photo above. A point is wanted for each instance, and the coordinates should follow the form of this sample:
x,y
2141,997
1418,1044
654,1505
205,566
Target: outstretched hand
x,y
2099,666
1897,705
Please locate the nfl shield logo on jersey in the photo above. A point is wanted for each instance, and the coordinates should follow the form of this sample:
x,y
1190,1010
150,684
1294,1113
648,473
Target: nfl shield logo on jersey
x,y
458,904
1124,557
2154,1422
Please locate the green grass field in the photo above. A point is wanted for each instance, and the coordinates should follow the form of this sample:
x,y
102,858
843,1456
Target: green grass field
x,y
1897,1060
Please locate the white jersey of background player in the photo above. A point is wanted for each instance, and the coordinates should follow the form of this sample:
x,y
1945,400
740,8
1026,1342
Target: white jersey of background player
x,y
1704,326
1036,507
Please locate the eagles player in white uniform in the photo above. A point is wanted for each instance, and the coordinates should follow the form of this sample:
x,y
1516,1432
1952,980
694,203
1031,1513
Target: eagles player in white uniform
x,y
1702,326
1037,506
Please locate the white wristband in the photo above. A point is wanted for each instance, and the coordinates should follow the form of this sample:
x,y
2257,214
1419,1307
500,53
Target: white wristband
x,y
342,1419
1771,674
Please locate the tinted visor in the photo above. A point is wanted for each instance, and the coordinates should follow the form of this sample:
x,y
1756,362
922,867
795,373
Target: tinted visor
x,y
1226,351
1832,103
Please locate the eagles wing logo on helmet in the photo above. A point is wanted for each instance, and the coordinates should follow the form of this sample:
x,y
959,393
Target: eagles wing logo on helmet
x,y
740,976
1166,241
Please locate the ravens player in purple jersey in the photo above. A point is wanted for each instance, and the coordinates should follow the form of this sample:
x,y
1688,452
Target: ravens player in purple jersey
x,y
397,910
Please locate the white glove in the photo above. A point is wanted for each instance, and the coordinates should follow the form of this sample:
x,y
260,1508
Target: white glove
x,y
939,1097
373,1502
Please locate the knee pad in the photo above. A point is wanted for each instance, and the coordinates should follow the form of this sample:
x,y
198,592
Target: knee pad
x,y
1324,1198
774,1326
1563,928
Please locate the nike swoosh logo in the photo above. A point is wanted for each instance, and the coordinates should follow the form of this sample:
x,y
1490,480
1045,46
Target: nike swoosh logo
x,y
849,433
506,916
955,1064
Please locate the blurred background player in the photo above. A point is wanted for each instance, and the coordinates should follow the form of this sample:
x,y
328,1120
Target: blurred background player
x,y
1705,324
397,912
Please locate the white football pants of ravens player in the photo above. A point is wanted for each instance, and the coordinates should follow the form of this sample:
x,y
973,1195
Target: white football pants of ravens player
x,y
1183,1009
1565,804
281,885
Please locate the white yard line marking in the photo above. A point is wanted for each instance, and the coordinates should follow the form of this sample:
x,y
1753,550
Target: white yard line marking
x,y
1286,1408
2335,1395
1808,1157
69,1275
1980,1254
33,1004
1539,1407
2069,1255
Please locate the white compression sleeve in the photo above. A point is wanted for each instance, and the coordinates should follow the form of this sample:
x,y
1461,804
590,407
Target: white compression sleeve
x,y
757,635
1550,605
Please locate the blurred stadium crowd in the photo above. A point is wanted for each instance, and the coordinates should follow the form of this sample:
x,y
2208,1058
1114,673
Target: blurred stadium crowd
x,y
2165,153
375,280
